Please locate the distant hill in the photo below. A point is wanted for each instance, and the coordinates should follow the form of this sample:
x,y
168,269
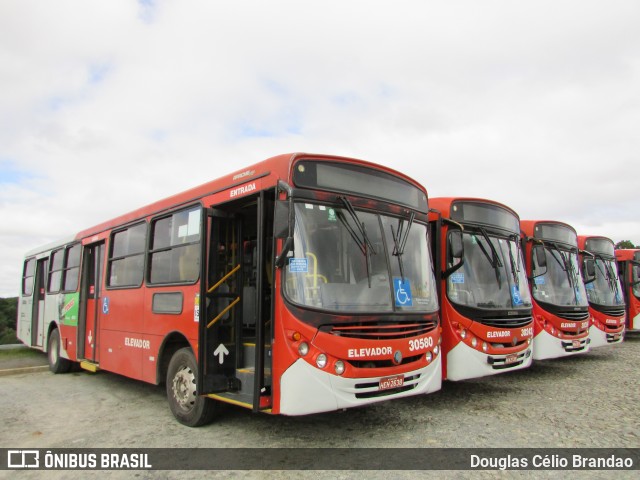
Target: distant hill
x,y
8,315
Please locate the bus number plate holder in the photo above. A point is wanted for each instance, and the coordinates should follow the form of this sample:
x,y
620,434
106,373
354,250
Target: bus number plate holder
x,y
576,344
512,358
387,383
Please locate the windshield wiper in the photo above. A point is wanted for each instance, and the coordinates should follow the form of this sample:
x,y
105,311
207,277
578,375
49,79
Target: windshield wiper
x,y
612,278
494,259
400,237
514,267
568,268
362,240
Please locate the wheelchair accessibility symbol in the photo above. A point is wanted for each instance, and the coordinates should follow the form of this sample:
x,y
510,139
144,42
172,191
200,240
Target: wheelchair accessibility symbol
x,y
402,292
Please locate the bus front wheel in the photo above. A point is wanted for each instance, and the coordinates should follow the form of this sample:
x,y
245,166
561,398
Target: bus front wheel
x,y
57,364
189,408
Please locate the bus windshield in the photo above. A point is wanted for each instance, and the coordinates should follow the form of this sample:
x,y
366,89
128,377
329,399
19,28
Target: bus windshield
x,y
354,261
492,274
635,279
605,289
559,282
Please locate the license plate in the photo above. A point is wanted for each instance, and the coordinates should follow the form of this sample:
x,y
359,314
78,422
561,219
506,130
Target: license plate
x,y
616,337
513,358
576,344
391,382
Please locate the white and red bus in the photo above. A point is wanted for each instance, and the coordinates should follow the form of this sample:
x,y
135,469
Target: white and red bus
x,y
301,284
485,302
604,291
560,304
629,271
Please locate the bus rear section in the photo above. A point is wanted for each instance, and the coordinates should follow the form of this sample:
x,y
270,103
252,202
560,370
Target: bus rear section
x,y
560,305
604,290
629,272
486,309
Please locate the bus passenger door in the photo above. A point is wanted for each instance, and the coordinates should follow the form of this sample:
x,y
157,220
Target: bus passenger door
x,y
37,312
233,329
91,303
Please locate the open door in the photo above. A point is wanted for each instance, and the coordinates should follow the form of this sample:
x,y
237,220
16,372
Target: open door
x,y
237,303
92,303
37,310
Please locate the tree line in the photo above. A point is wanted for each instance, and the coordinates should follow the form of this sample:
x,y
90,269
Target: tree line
x,y
8,315
626,244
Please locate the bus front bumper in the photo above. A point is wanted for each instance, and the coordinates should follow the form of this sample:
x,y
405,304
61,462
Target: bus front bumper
x,y
305,389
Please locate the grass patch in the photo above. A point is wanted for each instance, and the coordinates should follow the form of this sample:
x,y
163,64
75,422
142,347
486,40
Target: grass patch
x,y
20,353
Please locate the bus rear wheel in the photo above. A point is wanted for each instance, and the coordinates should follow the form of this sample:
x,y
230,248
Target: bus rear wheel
x,y
189,408
57,364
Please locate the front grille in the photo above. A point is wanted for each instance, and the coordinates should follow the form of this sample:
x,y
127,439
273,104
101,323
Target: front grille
x,y
506,321
383,330
573,316
383,363
611,311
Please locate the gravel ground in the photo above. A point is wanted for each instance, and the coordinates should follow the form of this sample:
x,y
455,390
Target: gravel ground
x,y
587,401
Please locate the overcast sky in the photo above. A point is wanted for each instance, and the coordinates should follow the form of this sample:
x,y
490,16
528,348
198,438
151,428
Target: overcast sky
x,y
106,106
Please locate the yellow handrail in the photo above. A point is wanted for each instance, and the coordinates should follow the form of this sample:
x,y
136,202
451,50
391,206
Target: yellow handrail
x,y
227,308
223,279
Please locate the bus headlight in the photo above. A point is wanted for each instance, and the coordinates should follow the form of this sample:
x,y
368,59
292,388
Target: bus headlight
x,y
436,350
463,333
339,366
321,360
485,346
429,357
474,342
303,349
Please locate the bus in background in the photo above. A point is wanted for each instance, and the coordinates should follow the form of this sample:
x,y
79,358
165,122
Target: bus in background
x,y
485,303
560,305
629,272
298,285
604,292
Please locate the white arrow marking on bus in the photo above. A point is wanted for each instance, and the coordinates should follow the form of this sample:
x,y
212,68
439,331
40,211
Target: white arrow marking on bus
x,y
221,351
89,337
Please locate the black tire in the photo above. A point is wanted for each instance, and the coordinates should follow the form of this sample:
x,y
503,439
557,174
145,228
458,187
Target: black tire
x,y
185,403
57,364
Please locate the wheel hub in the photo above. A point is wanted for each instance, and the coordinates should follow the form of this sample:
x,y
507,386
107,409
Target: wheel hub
x,y
184,388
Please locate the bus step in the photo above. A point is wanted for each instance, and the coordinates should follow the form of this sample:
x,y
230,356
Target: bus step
x,y
90,367
249,352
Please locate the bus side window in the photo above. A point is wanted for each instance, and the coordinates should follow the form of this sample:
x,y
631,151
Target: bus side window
x,y
28,276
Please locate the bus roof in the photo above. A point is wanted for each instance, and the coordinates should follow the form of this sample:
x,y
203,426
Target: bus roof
x,y
269,171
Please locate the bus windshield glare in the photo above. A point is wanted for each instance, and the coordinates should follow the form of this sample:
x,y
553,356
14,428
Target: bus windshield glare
x,y
606,288
492,274
348,261
559,282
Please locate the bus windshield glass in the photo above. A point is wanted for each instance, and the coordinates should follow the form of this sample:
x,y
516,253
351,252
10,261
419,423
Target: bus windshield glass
x,y
492,274
635,279
606,288
347,261
559,282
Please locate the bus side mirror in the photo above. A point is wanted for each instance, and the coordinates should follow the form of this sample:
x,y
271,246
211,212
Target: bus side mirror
x,y
281,219
456,248
541,256
284,218
589,268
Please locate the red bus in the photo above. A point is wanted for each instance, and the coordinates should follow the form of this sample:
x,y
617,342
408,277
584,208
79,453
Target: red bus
x,y
604,292
560,305
629,271
485,303
298,285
